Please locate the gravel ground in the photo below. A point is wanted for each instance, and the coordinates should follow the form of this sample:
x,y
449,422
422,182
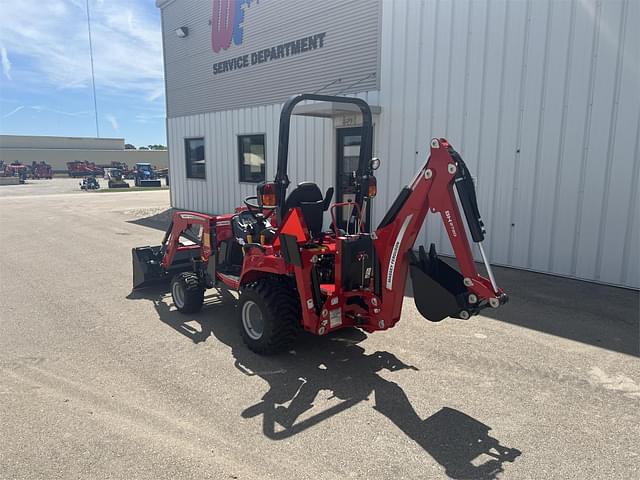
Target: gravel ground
x,y
55,186
100,382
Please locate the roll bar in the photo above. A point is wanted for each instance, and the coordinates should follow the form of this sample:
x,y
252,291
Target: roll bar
x,y
282,179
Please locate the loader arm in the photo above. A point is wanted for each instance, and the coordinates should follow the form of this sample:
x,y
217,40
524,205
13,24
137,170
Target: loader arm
x,y
439,290
180,225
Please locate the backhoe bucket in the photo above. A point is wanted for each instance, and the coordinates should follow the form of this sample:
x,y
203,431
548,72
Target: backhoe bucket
x,y
438,289
147,270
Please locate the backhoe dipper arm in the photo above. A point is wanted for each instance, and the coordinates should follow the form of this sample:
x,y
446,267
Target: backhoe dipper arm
x,y
439,290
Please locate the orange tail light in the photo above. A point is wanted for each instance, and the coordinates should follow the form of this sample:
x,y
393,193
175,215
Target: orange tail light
x,y
373,187
268,195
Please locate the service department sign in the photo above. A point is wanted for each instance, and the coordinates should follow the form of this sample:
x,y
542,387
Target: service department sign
x,y
227,24
296,47
253,52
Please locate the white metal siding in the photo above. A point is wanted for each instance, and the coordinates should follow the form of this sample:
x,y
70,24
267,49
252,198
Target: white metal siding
x,y
312,153
221,192
349,58
542,99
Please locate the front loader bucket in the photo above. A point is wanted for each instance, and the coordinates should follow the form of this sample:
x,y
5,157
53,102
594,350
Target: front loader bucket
x,y
438,289
147,270
150,183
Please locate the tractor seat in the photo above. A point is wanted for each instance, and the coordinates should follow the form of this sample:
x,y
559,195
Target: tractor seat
x,y
308,198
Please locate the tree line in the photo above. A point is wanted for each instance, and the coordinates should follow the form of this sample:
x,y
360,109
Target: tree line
x,y
129,146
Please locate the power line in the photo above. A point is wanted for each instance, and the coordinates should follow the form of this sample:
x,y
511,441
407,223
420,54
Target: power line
x,y
93,75
324,87
360,80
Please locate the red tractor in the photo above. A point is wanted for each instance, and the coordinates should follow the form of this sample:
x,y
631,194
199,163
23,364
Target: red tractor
x,y
41,170
83,168
293,275
17,169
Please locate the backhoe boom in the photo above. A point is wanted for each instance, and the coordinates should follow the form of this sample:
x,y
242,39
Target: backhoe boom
x,y
439,290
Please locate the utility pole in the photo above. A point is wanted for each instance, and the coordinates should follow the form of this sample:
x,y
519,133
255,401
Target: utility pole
x,y
93,75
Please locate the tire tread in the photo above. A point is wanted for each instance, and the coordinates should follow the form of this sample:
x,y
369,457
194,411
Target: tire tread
x,y
193,292
283,305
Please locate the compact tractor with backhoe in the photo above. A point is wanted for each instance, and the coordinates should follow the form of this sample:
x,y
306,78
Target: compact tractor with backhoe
x,y
293,275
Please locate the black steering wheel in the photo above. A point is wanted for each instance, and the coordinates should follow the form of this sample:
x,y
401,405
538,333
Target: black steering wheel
x,y
255,209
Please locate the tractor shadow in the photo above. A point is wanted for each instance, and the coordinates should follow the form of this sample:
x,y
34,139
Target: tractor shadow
x,y
338,364
600,315
157,221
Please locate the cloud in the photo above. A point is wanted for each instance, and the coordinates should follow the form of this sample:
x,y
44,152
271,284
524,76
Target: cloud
x,y
127,44
6,64
40,108
113,121
147,117
15,110
155,94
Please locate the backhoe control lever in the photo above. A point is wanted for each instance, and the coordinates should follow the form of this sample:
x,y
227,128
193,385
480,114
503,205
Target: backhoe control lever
x,y
467,195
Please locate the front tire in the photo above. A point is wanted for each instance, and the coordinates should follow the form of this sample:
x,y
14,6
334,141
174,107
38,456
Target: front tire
x,y
187,292
269,311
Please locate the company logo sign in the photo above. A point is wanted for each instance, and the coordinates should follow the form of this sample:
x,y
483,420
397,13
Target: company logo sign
x,y
227,28
227,23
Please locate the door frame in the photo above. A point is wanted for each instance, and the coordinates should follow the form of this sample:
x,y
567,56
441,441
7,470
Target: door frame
x,y
342,132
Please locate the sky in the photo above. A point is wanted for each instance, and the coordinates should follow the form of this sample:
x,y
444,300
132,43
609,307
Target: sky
x,y
45,77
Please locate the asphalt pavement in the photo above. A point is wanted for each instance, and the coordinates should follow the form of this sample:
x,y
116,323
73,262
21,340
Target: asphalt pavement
x,y
99,382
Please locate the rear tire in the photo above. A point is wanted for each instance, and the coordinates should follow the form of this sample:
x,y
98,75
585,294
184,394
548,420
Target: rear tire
x,y
187,292
269,311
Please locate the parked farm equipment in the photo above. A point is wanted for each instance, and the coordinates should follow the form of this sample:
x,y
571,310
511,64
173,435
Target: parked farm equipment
x,y
83,169
41,170
115,178
17,169
292,275
146,176
122,166
89,183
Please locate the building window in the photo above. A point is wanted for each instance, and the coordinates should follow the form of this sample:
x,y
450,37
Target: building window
x,y
194,156
252,159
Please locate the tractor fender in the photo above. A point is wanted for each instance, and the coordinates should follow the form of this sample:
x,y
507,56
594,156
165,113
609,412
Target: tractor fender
x,y
259,266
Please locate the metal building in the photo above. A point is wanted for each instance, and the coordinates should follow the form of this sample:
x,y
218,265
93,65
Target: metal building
x,y
541,98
